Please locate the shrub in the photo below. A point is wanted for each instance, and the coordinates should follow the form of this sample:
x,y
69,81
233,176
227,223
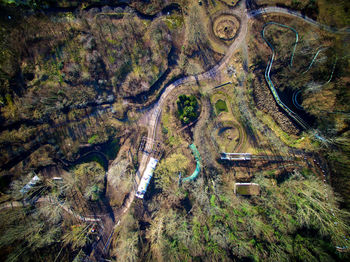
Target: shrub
x,y
93,139
187,107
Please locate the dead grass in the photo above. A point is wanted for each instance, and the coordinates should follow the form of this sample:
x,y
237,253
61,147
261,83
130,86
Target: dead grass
x,y
225,26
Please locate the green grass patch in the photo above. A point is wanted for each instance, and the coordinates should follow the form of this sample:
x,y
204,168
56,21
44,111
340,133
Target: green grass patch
x,y
112,41
174,21
220,106
93,139
270,172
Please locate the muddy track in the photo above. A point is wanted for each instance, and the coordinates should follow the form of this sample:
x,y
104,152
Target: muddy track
x,y
152,115
242,137
241,12
279,10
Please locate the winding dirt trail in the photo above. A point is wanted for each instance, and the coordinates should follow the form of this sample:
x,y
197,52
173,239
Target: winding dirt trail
x,y
280,10
152,115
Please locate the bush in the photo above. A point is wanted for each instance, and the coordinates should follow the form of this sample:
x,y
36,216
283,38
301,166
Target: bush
x,y
167,172
187,107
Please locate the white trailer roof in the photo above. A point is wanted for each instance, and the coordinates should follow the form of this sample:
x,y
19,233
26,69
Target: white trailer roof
x,y
30,184
146,178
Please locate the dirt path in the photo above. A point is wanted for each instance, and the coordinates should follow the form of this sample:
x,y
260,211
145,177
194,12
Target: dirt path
x,y
152,116
286,11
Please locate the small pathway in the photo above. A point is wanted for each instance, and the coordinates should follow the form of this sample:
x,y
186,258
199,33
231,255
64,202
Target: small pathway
x,y
280,10
152,116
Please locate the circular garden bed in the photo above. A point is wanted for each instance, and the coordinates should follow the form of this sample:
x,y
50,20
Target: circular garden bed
x,y
225,27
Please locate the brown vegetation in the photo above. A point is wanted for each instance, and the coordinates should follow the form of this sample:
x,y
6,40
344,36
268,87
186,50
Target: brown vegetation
x,y
225,27
265,102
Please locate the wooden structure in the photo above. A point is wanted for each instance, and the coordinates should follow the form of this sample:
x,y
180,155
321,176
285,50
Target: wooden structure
x,y
247,189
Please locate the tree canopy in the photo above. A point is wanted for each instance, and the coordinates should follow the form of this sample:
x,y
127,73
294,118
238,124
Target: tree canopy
x,y
187,107
297,220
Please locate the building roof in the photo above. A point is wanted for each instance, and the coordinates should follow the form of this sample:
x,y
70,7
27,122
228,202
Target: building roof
x,y
30,184
247,189
146,178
